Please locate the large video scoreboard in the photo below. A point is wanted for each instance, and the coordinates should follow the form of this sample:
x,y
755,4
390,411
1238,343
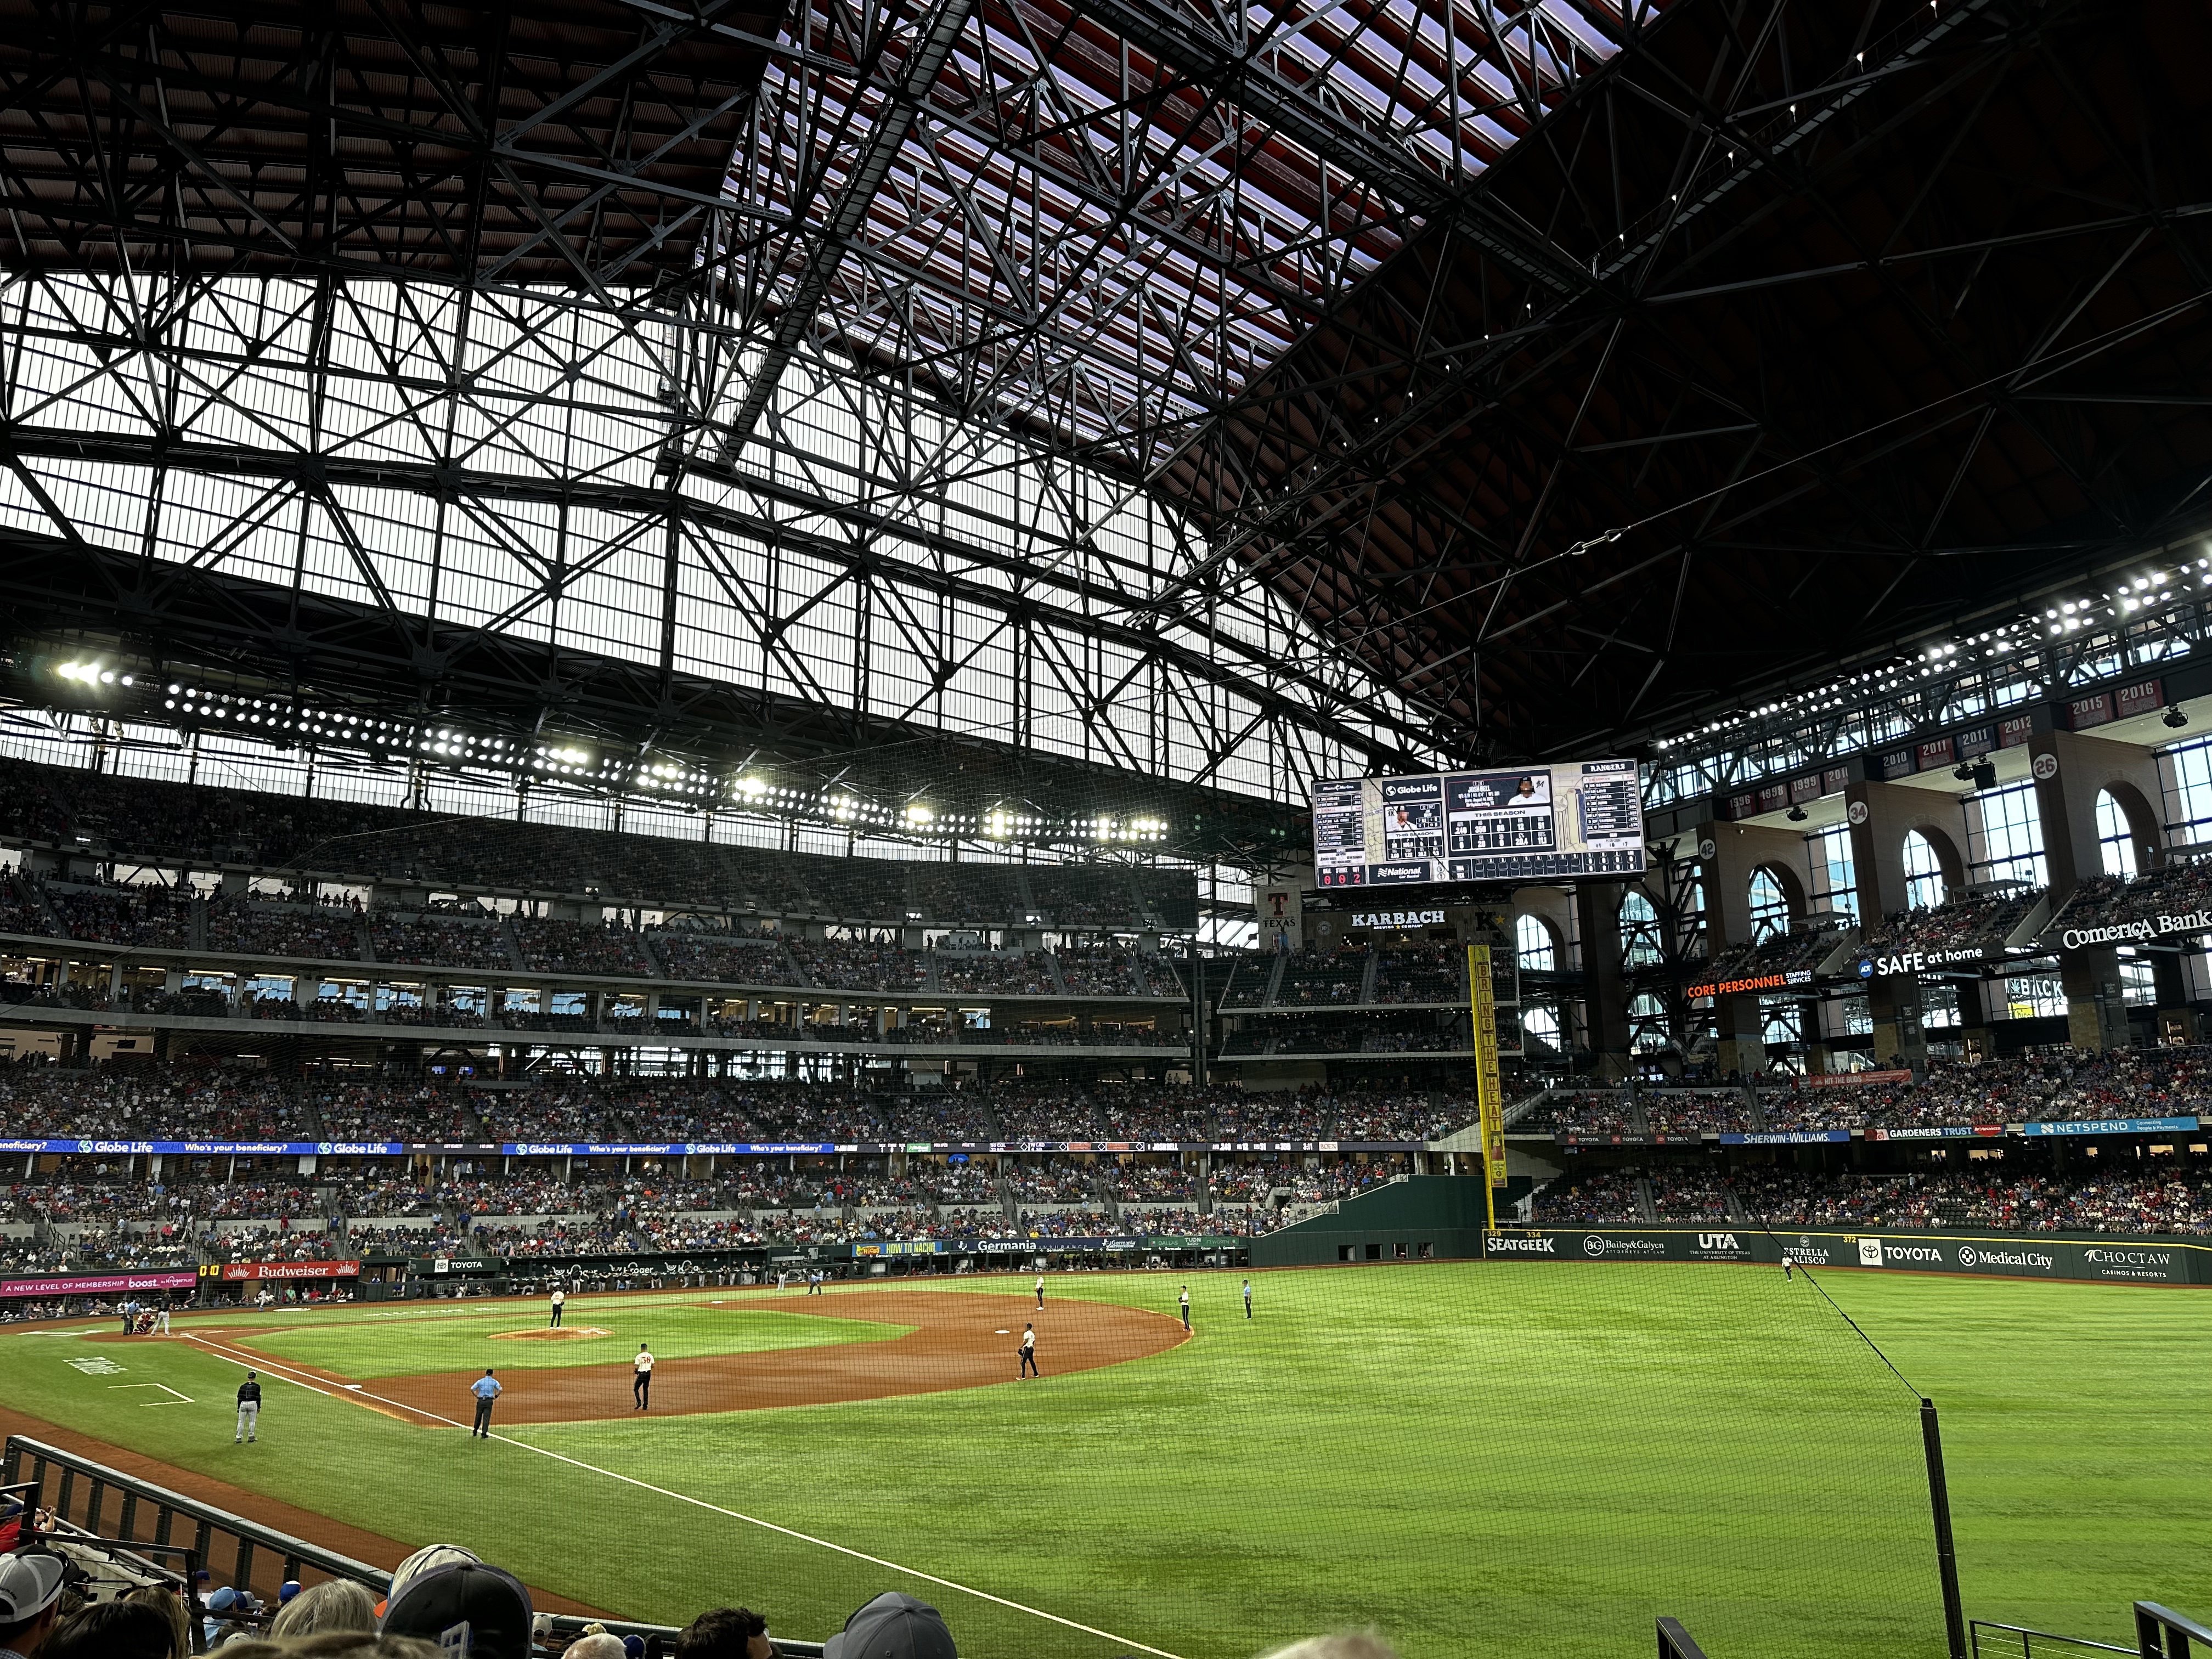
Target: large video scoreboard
x,y
1540,824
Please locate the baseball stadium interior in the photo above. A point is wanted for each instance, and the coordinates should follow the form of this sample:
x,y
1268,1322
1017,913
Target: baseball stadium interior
x,y
1475,724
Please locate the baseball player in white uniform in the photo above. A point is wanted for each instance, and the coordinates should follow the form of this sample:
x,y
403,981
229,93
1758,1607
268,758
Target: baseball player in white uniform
x,y
641,1382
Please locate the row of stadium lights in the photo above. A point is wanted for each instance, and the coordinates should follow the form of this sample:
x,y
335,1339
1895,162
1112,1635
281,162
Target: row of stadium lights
x,y
2129,599
665,778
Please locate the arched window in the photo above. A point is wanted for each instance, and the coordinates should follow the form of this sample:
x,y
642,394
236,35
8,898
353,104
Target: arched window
x,y
1770,906
1639,931
2115,840
1533,940
1539,1029
1924,872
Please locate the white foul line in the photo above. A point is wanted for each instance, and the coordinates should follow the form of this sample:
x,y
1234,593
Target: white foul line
x,y
357,1393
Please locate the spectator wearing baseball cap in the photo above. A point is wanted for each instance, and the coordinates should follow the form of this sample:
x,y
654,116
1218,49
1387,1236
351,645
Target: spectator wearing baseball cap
x,y
893,1627
30,1602
492,1603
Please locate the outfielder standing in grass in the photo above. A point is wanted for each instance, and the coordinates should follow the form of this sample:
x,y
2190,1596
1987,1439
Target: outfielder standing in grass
x,y
1247,1299
641,1382
249,1407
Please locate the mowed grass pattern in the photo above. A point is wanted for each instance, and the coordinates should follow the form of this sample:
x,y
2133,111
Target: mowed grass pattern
x,y
1532,1459
506,1337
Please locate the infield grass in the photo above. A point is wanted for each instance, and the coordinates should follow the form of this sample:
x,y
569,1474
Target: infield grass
x,y
513,1336
1497,1459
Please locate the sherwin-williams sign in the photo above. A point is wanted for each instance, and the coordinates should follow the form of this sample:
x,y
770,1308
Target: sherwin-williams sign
x,y
2136,1259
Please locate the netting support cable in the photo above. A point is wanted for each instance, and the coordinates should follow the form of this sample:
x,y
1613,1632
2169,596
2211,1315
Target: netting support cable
x,y
1931,1446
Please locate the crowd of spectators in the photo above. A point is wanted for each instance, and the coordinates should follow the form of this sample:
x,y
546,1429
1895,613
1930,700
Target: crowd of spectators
x,y
1578,1112
560,945
723,959
135,915
1585,1198
1420,973
436,940
259,926
842,964
2059,1084
1966,921
1024,973
2181,886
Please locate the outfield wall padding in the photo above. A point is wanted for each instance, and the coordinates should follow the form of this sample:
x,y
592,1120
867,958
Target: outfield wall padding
x,y
1407,1218
2140,1259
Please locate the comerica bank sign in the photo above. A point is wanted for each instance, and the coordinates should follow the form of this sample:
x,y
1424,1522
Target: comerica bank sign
x,y
2129,933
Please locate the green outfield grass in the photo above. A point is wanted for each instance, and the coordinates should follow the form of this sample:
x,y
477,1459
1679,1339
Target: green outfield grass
x,y
442,1340
1525,1458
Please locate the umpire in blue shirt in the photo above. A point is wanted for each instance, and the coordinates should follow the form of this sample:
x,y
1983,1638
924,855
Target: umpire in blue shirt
x,y
486,1390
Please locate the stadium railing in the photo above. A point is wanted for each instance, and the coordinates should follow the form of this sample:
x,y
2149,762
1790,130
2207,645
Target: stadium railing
x,y
2162,1633
2001,1637
1676,1643
85,1497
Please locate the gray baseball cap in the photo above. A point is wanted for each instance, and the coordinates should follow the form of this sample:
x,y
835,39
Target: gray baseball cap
x,y
893,1627
29,1585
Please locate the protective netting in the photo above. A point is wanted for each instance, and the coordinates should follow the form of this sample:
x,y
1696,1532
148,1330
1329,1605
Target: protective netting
x,y
1535,1457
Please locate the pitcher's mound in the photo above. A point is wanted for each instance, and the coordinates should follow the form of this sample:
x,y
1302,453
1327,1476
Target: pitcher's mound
x,y
550,1334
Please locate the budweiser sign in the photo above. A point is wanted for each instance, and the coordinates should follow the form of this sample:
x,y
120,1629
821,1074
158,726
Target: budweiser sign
x,y
234,1272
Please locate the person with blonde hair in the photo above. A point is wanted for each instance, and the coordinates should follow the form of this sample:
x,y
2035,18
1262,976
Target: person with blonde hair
x,y
334,1645
172,1607
335,1604
1345,1644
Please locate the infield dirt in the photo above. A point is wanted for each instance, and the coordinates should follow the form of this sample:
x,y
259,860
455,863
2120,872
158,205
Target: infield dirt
x,y
953,1340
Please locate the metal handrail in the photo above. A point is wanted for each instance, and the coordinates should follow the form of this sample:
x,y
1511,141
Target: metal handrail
x,y
1676,1643
2028,1637
296,1551
207,1519
2162,1633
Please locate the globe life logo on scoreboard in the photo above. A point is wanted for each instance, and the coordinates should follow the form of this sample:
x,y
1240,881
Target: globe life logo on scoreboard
x,y
1532,823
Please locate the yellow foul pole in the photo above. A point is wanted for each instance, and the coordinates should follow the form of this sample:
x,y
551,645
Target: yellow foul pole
x,y
1482,1004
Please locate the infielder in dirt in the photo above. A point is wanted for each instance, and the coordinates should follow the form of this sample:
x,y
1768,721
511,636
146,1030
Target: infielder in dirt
x,y
1184,1299
560,1301
1040,1289
640,1381
1029,1352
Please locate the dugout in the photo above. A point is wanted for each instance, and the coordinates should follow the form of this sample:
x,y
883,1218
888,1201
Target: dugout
x,y
1412,1218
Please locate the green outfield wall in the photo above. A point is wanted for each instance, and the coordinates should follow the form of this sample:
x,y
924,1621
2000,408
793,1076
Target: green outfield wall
x,y
1412,1218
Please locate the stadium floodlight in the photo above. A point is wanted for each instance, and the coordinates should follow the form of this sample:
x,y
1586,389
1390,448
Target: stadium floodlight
x,y
918,813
